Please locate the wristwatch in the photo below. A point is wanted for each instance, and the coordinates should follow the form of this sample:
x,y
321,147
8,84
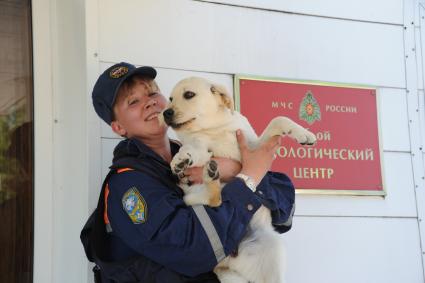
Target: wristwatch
x,y
249,182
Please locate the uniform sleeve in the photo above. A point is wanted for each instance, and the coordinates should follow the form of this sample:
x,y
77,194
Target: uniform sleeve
x,y
153,220
278,194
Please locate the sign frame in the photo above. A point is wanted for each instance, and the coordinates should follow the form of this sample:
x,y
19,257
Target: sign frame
x,y
305,191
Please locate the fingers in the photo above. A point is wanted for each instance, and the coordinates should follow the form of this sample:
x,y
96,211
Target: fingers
x,y
275,141
228,168
240,137
194,175
272,144
275,146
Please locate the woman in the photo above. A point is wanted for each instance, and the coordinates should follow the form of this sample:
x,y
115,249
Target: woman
x,y
142,231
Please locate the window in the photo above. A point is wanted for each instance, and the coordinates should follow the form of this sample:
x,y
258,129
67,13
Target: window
x,y
16,142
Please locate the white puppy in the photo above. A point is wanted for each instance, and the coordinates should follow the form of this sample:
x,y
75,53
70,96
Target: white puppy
x,y
202,115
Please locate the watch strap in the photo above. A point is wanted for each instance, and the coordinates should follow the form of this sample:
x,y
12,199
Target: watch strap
x,y
249,181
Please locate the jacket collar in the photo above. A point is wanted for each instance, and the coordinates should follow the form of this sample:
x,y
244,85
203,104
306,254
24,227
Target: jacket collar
x,y
135,148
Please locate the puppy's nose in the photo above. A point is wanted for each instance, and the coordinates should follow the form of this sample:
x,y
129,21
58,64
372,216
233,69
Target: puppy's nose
x,y
168,115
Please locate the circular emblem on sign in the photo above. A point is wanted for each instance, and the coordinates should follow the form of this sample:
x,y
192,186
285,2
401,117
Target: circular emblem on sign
x,y
118,72
309,109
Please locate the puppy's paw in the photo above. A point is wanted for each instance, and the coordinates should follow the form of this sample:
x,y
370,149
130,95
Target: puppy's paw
x,y
181,161
212,182
302,136
210,172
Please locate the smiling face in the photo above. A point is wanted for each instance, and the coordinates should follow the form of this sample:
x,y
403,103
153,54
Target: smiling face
x,y
195,104
136,110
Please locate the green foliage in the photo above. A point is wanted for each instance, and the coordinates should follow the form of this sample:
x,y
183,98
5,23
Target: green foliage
x,y
10,169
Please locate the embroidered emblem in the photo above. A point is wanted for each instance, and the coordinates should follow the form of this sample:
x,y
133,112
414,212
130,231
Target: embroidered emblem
x,y
309,109
135,206
118,72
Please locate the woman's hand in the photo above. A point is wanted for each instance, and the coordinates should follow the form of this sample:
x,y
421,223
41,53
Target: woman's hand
x,y
193,175
256,162
227,168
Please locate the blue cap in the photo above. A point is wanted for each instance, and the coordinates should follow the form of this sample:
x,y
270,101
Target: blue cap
x,y
107,85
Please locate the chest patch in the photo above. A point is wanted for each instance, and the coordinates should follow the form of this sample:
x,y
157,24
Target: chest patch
x,y
135,206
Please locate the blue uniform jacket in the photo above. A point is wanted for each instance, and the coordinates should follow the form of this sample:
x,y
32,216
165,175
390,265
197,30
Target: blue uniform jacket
x,y
147,217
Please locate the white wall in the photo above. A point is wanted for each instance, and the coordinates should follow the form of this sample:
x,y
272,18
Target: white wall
x,y
192,35
334,238
70,172
338,238
61,159
378,11
43,142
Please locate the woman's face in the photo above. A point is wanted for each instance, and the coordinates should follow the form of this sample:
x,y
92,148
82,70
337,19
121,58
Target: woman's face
x,y
136,111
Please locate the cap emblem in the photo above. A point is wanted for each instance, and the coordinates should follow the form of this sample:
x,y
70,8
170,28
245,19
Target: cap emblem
x,y
118,72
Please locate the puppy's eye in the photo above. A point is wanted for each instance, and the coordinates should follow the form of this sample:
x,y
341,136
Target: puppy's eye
x,y
188,94
171,99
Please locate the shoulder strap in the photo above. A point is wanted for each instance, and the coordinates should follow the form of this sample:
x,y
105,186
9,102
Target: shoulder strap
x,y
98,239
92,229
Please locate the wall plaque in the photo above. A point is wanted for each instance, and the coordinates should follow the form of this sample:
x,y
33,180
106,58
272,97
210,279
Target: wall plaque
x,y
347,156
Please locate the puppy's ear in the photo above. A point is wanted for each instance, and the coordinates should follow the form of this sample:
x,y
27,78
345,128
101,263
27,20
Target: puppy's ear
x,y
224,95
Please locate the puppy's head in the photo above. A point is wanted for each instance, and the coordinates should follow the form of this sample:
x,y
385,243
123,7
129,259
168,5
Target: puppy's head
x,y
196,104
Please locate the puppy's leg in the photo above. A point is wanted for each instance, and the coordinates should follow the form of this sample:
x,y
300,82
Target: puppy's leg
x,y
196,195
212,182
261,258
208,193
285,126
188,156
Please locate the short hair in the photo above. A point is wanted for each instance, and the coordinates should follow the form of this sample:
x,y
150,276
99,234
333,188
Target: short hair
x,y
129,83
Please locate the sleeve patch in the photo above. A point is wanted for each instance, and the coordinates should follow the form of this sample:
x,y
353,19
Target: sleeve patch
x,y
135,205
